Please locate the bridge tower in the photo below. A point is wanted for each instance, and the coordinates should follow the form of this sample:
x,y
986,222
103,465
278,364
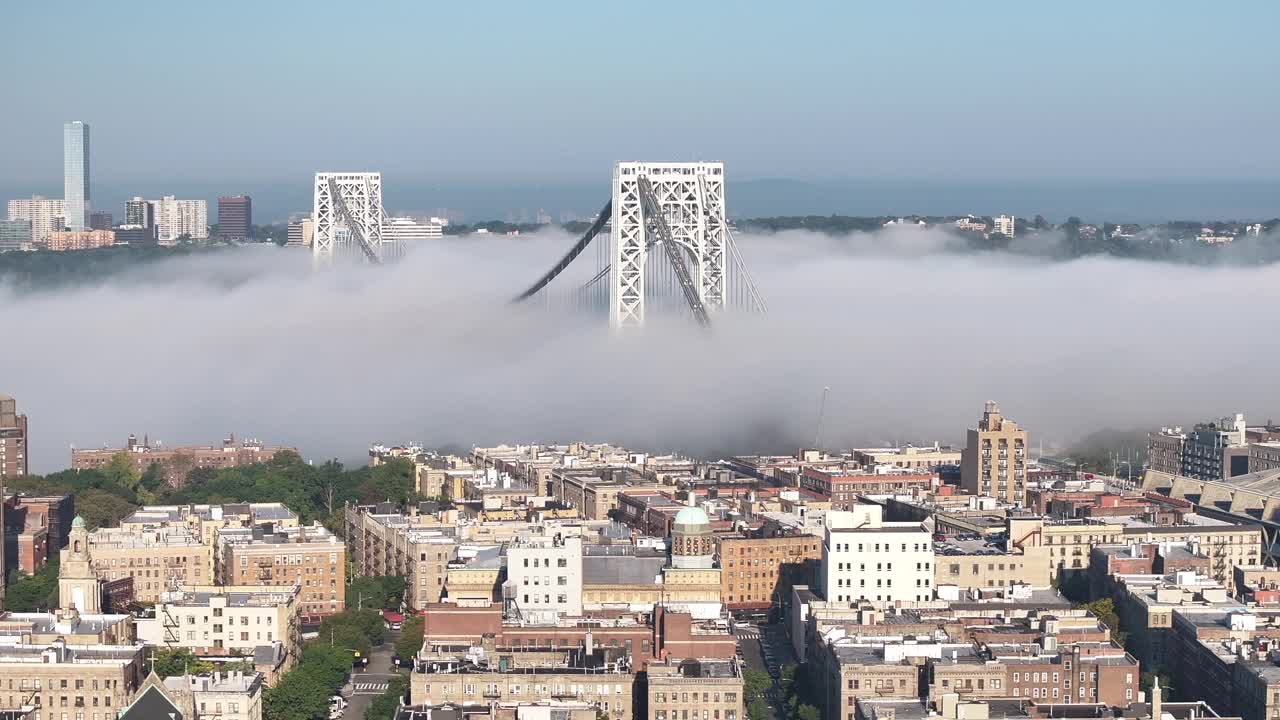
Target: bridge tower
x,y
347,216
691,199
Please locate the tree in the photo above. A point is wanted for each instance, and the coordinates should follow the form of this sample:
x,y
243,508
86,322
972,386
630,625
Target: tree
x,y
757,710
410,640
119,471
1105,610
299,695
33,593
755,683
179,661
101,508
808,712
384,591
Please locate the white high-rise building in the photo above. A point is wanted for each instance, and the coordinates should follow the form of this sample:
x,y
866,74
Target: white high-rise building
x,y
406,229
867,559
175,218
44,214
1003,225
75,174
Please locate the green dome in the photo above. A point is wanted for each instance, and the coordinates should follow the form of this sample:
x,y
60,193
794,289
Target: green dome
x,y
78,522
692,516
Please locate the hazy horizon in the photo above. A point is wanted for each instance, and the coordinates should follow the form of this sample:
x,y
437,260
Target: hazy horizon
x,y
1113,201
999,92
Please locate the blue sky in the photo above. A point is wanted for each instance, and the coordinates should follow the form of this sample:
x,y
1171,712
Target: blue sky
x,y
555,92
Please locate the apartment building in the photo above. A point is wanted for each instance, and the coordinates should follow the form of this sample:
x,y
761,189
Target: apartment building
x,y
63,240
544,574
1087,672
1004,225
969,565
219,696
45,215
704,687
178,218
608,690
1264,456
204,521
221,619
13,439
157,560
994,460
1165,449
759,573
308,556
921,459
1206,454
591,495
59,678
865,558
844,488
848,673
177,461
411,546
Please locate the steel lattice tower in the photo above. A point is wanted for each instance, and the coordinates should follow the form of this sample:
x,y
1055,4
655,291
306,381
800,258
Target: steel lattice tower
x,y
691,199
352,201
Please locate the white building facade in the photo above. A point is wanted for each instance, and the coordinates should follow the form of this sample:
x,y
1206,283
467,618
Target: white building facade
x,y
175,218
1003,225
867,559
404,229
544,574
45,215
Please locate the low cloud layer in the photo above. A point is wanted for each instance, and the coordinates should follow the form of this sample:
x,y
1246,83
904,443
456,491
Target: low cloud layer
x,y
911,338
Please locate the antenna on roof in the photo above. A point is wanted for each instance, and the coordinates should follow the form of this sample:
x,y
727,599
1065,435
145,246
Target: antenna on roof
x,y
822,411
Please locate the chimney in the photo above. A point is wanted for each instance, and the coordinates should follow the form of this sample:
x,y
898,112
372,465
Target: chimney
x,y
1157,702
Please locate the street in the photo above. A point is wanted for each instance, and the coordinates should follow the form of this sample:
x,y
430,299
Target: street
x,y
372,682
767,649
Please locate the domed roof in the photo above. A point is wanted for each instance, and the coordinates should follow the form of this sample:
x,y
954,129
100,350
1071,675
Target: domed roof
x,y
692,516
78,522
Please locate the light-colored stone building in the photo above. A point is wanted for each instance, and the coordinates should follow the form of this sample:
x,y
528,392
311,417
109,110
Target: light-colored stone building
x,y
204,521
610,691
217,619
86,681
415,547
693,689
866,558
994,460
229,696
544,573
157,560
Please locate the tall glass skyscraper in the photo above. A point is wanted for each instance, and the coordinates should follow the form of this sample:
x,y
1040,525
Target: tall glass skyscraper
x,y
75,174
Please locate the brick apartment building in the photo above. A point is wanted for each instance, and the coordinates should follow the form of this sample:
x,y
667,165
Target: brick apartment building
x,y
177,462
34,528
758,573
844,488
310,557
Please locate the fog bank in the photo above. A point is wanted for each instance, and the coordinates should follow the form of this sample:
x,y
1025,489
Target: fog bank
x,y
911,338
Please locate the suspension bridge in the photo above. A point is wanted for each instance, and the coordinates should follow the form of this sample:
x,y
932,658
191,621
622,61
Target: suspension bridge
x,y
668,247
